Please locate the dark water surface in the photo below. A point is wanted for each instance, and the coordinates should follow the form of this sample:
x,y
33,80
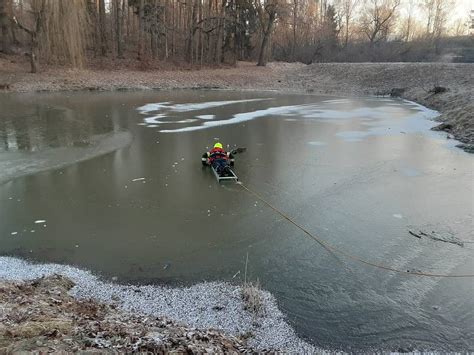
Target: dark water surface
x,y
359,173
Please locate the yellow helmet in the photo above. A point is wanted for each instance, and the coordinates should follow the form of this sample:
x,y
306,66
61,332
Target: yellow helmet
x,y
218,145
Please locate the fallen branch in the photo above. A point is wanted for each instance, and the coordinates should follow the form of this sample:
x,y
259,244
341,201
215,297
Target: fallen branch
x,y
414,234
432,236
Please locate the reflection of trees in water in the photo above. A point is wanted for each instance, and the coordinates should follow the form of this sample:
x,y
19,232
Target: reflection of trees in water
x,y
41,126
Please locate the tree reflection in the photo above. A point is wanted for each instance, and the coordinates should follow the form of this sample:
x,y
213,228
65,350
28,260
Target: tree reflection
x,y
40,126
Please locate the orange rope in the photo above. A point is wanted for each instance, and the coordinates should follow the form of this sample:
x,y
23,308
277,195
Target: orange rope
x,y
333,249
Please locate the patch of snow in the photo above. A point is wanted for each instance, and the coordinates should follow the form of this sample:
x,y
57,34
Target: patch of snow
x,y
206,117
316,143
270,330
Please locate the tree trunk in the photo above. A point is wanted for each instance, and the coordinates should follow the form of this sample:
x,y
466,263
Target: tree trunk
x,y
346,37
34,61
262,58
38,13
295,18
118,27
164,26
189,35
141,28
201,39
102,29
154,30
5,25
220,33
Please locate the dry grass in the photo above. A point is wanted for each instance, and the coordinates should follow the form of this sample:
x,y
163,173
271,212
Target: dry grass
x,y
252,297
40,316
252,294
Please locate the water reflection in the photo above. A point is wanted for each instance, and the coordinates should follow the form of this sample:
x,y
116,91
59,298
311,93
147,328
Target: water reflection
x,y
40,124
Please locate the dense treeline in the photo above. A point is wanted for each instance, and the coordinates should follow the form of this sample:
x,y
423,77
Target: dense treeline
x,y
212,32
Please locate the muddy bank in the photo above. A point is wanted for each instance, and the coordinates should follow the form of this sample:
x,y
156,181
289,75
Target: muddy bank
x,y
20,163
413,81
78,311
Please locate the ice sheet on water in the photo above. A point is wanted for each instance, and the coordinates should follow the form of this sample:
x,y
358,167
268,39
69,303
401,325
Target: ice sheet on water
x,y
237,118
316,143
206,117
211,104
154,119
191,106
153,107
167,109
376,116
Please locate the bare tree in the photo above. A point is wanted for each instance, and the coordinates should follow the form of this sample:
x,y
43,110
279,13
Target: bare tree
x,y
346,9
378,19
38,12
267,14
294,25
216,31
102,28
119,27
408,23
5,25
141,29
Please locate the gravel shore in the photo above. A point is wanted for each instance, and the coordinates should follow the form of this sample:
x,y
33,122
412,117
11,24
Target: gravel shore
x,y
203,306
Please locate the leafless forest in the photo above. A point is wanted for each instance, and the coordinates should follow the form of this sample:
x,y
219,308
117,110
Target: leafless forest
x,y
215,32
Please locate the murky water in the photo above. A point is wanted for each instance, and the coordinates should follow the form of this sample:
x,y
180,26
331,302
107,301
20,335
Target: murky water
x,y
359,173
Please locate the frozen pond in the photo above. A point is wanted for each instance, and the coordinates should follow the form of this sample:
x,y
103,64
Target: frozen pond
x,y
359,173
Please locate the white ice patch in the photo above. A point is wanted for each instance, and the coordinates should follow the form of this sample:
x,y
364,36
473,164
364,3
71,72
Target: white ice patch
x,y
40,221
191,106
237,118
397,215
138,179
168,110
153,107
316,143
154,119
337,101
211,104
155,122
206,117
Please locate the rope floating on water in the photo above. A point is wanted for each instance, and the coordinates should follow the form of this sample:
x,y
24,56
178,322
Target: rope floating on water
x,y
332,249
